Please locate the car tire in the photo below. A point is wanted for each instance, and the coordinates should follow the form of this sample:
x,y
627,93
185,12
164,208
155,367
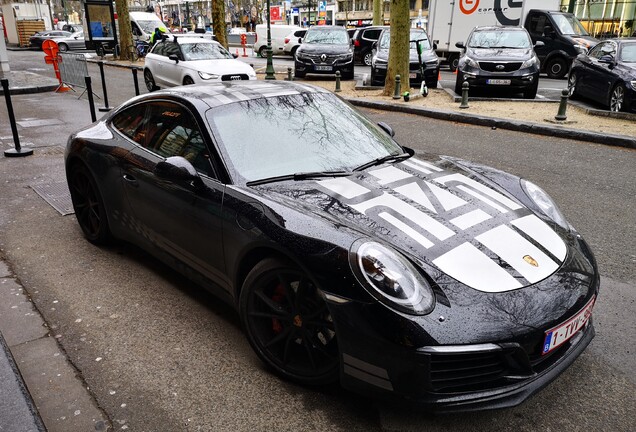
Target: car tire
x,y
88,205
367,57
573,81
288,324
556,68
62,47
150,81
458,83
187,80
263,51
531,92
453,62
617,100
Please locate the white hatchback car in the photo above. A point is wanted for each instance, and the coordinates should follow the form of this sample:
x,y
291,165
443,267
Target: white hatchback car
x,y
183,60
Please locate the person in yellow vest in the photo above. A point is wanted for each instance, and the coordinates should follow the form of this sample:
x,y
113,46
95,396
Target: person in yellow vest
x,y
157,35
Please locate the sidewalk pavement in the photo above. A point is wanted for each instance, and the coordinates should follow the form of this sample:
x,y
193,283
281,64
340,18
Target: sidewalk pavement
x,y
23,82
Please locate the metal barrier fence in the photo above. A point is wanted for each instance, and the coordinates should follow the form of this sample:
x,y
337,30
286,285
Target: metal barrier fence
x,y
73,69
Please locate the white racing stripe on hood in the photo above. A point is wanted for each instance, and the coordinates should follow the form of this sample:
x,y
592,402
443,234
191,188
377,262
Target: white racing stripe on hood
x,y
472,267
480,188
539,231
471,219
512,247
389,175
407,230
344,187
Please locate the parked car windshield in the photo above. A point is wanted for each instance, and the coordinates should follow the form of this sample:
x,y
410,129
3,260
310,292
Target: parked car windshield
x,y
569,25
628,53
329,37
416,34
499,39
204,51
149,26
290,134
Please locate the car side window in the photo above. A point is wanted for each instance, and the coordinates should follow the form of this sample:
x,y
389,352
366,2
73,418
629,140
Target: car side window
x,y
372,34
159,49
132,123
597,51
173,131
537,23
171,48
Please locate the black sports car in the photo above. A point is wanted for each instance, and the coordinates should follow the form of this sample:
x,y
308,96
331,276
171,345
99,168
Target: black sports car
x,y
432,279
607,74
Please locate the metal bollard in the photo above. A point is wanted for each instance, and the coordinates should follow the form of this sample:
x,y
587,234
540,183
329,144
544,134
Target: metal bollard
x,y
134,72
104,91
289,74
337,90
91,101
18,151
398,86
563,106
465,87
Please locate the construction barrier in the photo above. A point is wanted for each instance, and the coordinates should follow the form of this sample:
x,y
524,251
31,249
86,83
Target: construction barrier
x,y
73,69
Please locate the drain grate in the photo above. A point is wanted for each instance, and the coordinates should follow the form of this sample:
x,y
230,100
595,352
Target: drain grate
x,y
57,195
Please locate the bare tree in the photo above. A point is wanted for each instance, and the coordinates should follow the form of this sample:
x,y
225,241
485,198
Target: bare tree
x,y
218,21
399,53
125,29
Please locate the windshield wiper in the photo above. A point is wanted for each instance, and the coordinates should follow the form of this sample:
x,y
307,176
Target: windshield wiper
x,y
383,159
299,176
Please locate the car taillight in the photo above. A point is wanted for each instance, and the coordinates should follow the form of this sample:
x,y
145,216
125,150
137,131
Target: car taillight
x,y
356,43
287,40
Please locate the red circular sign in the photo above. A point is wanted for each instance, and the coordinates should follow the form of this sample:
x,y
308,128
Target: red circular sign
x,y
468,6
50,48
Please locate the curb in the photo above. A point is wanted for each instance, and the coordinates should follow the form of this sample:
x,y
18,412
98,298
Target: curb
x,y
30,90
520,126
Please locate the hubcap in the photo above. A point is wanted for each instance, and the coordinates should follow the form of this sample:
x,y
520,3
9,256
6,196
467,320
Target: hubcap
x,y
572,84
617,99
367,59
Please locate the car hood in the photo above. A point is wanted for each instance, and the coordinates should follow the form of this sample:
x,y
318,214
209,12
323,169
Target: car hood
x,y
499,54
220,66
426,55
324,49
441,214
629,69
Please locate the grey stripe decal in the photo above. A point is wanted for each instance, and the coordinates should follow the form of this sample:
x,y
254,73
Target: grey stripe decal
x,y
367,367
368,378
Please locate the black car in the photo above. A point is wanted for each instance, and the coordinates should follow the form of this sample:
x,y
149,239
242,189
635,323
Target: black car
x,y
428,56
36,40
363,40
499,57
435,279
607,74
325,50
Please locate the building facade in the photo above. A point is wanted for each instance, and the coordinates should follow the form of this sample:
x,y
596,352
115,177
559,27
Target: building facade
x,y
604,18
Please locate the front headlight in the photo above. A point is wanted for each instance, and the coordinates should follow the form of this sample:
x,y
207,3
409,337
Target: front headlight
x,y
207,76
301,55
433,63
544,203
530,62
633,84
580,49
391,278
470,62
379,62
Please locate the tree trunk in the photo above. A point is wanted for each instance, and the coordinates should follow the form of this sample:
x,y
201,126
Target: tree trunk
x,y
218,21
125,29
378,6
399,51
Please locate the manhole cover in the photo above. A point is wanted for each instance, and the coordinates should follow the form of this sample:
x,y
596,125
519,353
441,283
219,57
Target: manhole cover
x,y
57,195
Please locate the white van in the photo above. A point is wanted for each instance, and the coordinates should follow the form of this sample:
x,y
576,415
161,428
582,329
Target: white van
x,y
144,24
279,32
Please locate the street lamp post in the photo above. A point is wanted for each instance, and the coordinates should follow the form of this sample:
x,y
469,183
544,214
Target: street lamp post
x,y
269,70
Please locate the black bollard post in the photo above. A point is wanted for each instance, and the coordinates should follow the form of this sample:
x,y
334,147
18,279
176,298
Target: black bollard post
x,y
465,88
18,151
563,106
134,72
91,101
101,72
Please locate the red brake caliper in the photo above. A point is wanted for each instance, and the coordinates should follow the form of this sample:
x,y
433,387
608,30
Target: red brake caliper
x,y
278,297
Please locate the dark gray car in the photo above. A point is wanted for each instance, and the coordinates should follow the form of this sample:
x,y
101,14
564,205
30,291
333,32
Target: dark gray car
x,y
325,50
73,42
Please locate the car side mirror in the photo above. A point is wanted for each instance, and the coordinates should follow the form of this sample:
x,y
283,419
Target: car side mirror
x,y
434,46
300,40
538,44
460,45
178,168
607,58
386,128
174,58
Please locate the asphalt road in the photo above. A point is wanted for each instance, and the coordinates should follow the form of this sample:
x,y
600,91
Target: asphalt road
x,y
159,354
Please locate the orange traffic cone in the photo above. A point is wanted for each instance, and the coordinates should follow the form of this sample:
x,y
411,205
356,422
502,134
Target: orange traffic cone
x,y
455,72
439,76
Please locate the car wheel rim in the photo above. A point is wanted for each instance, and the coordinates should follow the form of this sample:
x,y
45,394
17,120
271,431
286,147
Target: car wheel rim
x,y
572,84
86,204
367,58
150,82
617,99
290,323
556,68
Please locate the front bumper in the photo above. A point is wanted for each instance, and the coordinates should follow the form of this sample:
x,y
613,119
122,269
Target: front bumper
x,y
307,65
518,80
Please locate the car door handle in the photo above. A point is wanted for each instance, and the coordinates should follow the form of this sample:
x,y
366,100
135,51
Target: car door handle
x,y
131,180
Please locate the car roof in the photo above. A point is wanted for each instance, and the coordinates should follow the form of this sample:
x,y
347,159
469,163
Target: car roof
x,y
190,39
327,27
498,28
225,93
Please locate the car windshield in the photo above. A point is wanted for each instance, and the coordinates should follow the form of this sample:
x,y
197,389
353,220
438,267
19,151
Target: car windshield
x,y
204,51
290,134
569,25
149,26
499,39
628,53
415,35
328,37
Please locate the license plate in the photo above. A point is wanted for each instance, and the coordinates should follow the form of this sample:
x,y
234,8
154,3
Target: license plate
x,y
560,334
323,68
413,75
498,82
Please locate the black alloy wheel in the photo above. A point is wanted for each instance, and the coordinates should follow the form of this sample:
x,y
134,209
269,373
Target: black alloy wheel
x,y
150,81
88,205
453,62
367,58
556,68
188,81
617,98
288,323
572,82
